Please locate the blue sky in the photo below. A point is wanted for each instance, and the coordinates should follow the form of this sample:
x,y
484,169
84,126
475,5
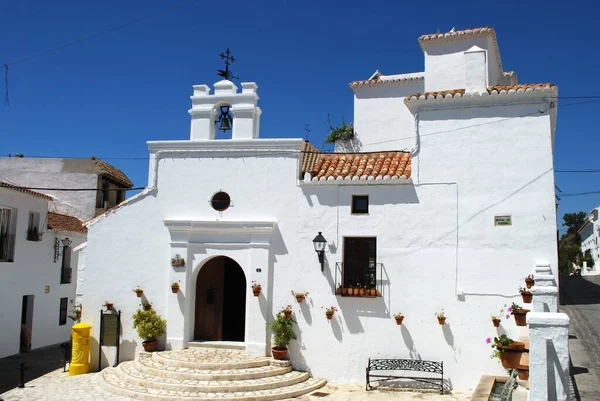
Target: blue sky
x,y
109,95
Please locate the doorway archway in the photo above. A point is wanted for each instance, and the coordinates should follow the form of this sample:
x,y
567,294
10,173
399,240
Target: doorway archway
x,y
220,313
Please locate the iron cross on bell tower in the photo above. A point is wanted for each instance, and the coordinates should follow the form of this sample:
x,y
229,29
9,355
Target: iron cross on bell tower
x,y
225,118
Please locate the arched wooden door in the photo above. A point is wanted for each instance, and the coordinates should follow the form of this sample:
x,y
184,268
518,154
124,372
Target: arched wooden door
x,y
220,301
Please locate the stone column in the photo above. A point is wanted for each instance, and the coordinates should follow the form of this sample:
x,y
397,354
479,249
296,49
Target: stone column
x,y
548,356
543,276
545,299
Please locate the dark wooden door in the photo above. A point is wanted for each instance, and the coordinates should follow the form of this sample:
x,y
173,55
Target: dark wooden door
x,y
209,301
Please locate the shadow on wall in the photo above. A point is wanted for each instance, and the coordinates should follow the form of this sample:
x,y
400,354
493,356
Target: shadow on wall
x,y
578,290
409,342
353,308
328,195
295,353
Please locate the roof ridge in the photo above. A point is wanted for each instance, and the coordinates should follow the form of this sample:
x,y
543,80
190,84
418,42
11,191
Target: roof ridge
x,y
494,89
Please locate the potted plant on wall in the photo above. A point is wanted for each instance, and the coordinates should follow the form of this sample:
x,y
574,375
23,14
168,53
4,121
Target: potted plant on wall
x,y
441,317
300,296
256,289
175,287
283,333
149,326
529,281
496,319
526,295
507,350
519,313
286,311
178,261
138,291
330,311
399,318
109,305
146,305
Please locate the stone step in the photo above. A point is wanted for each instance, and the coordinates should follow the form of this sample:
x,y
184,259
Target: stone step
x,y
218,344
146,364
113,383
209,359
129,374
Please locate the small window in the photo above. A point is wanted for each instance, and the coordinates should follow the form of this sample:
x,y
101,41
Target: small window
x,y
221,201
360,204
62,319
33,227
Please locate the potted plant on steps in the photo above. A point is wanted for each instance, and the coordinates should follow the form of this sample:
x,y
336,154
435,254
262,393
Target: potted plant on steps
x,y
519,313
507,350
283,333
149,326
526,295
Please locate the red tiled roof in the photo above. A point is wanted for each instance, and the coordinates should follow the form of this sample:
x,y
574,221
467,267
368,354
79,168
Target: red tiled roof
x,y
373,165
455,33
62,222
24,190
309,156
519,88
112,172
378,80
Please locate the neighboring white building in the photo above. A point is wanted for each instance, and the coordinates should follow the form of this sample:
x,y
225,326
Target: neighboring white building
x,y
589,233
37,270
64,173
452,206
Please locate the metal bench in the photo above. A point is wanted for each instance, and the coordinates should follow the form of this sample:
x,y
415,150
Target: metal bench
x,y
413,365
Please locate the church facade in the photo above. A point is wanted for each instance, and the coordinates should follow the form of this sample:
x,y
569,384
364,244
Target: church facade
x,y
442,202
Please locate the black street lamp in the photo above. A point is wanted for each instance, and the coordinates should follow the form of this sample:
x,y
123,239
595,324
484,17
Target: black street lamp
x,y
319,244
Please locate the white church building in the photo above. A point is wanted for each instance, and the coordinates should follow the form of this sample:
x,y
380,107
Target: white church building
x,y
443,201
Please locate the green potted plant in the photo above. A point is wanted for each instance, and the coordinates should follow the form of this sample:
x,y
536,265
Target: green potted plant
x,y
149,326
283,333
138,291
507,350
441,317
300,296
519,313
399,318
175,287
526,295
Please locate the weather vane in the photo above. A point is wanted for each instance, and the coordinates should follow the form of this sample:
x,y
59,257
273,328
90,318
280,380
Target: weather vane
x,y
226,73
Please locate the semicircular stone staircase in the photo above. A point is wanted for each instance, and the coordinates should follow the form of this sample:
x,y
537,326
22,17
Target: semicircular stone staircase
x,y
207,374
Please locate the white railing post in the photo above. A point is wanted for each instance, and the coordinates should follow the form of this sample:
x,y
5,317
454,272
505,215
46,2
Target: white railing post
x,y
548,356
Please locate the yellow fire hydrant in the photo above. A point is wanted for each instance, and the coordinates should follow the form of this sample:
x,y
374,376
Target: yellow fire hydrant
x,y
80,356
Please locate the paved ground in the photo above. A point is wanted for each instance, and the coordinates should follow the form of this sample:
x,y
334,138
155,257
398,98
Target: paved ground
x,y
39,362
580,299
59,386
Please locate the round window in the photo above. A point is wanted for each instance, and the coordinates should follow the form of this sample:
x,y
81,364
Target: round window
x,y
220,201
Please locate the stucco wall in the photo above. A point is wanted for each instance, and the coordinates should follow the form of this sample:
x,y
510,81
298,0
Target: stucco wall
x,y
55,173
435,237
32,270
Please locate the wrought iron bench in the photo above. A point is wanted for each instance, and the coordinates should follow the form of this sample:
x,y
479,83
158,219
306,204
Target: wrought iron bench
x,y
413,365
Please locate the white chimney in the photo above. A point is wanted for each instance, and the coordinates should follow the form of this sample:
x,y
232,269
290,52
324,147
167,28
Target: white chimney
x,y
476,79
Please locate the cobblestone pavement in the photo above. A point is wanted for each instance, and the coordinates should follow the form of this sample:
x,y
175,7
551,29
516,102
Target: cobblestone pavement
x,y
59,386
39,362
580,299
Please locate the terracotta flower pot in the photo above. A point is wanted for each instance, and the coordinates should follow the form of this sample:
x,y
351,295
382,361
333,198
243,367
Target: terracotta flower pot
x,y
529,282
523,374
279,352
338,290
329,315
150,346
399,320
147,307
299,299
527,298
256,293
442,321
288,314
175,290
78,315
361,292
108,305
510,356
377,293
521,317
139,293
344,291
496,322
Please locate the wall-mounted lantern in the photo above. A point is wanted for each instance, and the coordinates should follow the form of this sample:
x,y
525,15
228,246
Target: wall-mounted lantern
x,y
319,244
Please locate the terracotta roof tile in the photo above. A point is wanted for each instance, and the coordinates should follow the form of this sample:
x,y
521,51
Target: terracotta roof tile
x,y
62,222
378,80
454,33
112,172
491,89
378,165
24,190
309,156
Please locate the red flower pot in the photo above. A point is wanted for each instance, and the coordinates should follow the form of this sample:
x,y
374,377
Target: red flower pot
x,y
442,321
399,321
288,314
344,291
510,356
78,315
527,298
279,352
521,317
496,322
175,290
523,374
150,346
139,293
529,282
256,291
299,299
329,315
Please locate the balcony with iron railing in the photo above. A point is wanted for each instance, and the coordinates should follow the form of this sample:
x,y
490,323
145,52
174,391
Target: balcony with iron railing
x,y
7,247
358,279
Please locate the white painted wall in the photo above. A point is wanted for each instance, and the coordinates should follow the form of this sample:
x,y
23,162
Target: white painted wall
x,y
32,270
55,173
590,241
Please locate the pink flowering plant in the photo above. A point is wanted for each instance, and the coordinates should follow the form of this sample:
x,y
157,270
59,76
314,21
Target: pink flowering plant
x,y
499,343
330,310
514,309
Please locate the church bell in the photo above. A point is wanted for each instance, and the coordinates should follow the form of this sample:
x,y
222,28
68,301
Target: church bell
x,y
225,119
